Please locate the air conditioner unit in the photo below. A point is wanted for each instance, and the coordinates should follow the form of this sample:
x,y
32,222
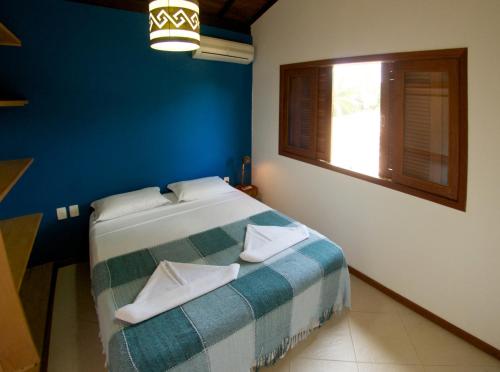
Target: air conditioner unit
x,y
224,50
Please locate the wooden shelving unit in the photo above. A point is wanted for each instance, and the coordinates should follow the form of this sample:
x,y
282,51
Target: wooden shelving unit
x,y
10,172
13,102
7,37
19,236
24,293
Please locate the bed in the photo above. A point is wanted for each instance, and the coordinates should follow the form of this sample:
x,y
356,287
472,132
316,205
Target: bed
x,y
250,322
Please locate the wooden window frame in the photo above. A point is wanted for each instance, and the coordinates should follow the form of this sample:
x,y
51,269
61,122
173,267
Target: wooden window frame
x,y
385,179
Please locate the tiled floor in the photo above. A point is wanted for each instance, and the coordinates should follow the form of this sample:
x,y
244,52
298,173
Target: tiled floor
x,y
378,335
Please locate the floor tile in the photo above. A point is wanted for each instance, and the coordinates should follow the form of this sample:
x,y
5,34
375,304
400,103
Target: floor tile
x,y
283,365
313,365
381,338
330,342
454,369
365,298
377,367
435,346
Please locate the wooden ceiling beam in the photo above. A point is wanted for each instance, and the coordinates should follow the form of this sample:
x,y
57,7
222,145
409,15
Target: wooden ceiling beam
x,y
261,11
141,6
227,5
130,5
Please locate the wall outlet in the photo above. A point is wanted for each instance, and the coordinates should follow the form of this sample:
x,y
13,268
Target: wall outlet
x,y
62,214
74,211
226,179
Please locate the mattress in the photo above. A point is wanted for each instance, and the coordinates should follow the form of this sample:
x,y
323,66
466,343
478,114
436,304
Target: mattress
x,y
250,322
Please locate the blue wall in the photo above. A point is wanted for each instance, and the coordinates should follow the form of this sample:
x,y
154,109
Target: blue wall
x,y
107,114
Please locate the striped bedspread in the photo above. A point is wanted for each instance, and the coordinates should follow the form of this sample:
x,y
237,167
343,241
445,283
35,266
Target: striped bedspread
x,y
250,322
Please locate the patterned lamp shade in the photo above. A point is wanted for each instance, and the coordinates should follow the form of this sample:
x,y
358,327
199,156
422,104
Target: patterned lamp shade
x,y
174,25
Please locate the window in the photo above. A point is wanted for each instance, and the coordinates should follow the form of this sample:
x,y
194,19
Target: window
x,y
398,120
355,142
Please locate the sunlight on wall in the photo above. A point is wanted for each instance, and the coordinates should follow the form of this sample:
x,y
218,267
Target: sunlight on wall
x,y
356,117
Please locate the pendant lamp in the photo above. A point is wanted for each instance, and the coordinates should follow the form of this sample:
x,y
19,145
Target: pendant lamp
x,y
174,25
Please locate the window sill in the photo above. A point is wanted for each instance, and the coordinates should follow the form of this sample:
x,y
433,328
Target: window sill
x,y
456,204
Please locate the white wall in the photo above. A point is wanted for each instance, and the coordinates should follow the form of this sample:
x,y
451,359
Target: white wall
x,y
444,260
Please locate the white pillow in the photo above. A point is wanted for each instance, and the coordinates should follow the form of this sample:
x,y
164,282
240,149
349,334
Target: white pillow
x,y
200,188
122,204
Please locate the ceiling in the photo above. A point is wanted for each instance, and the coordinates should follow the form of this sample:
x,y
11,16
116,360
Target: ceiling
x,y
235,15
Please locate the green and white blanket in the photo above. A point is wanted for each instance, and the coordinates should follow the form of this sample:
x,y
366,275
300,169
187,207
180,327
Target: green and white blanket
x,y
250,322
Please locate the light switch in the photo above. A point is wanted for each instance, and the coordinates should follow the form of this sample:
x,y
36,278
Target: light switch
x,y
73,211
62,214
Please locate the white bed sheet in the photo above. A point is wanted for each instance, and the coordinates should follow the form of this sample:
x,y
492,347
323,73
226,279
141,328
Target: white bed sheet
x,y
167,223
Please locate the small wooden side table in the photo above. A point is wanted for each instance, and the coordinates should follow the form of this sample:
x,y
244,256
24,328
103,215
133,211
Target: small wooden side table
x,y
250,190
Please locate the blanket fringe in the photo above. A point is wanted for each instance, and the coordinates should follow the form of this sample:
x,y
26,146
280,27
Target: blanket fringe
x,y
290,342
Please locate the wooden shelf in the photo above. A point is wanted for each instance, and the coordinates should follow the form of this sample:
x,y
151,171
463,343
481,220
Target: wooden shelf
x,y
10,172
13,102
7,37
19,235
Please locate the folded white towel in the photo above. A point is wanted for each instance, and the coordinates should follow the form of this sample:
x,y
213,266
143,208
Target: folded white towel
x,y
173,284
262,242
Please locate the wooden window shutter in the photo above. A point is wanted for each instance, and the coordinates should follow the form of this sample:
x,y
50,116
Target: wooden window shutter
x,y
305,112
324,131
426,125
299,112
